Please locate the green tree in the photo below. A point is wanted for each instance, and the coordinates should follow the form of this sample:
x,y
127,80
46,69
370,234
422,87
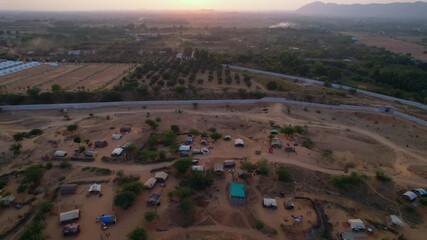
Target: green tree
x,y
186,206
35,132
175,128
138,234
33,231
272,85
381,176
15,148
200,181
65,165
215,136
56,88
284,174
72,127
184,192
124,199
77,139
150,216
33,174
33,92
182,165
152,124
262,167
288,130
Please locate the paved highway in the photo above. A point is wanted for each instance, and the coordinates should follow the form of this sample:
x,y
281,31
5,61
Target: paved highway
x,y
337,86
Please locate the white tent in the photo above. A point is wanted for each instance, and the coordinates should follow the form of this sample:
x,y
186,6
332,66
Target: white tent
x,y
395,220
184,148
95,188
116,136
239,142
162,176
117,152
410,195
198,168
60,153
356,224
68,216
150,183
269,202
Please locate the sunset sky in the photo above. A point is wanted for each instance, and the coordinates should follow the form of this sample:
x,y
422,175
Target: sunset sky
x,y
88,5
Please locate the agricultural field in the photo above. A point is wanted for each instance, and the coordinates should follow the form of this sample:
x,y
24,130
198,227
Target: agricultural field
x,y
70,77
398,45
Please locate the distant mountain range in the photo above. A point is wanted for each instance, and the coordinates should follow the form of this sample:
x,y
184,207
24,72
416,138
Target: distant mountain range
x,y
415,10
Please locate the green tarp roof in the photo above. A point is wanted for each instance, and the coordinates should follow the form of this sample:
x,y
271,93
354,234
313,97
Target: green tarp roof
x,y
237,190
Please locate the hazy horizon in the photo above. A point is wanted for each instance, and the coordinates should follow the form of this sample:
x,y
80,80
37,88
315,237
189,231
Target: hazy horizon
x,y
117,5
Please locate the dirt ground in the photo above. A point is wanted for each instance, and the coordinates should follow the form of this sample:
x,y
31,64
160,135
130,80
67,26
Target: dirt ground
x,y
392,44
370,141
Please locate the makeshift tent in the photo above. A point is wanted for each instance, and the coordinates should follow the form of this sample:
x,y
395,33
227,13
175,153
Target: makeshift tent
x,y
356,225
198,168
205,151
68,188
117,152
60,154
289,205
150,183
237,193
242,173
239,143
71,229
90,154
204,141
274,131
188,140
227,138
116,136
218,167
154,199
395,220
101,144
108,219
269,203
95,188
410,195
276,143
229,163
161,176
184,148
7,200
125,129
69,216
420,192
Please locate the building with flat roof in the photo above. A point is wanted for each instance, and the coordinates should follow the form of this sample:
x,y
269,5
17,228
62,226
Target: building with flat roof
x,y
237,193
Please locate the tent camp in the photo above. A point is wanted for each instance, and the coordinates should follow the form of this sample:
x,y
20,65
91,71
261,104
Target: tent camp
x,y
161,176
69,216
239,143
411,196
95,188
60,154
356,225
150,183
237,193
117,152
184,148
